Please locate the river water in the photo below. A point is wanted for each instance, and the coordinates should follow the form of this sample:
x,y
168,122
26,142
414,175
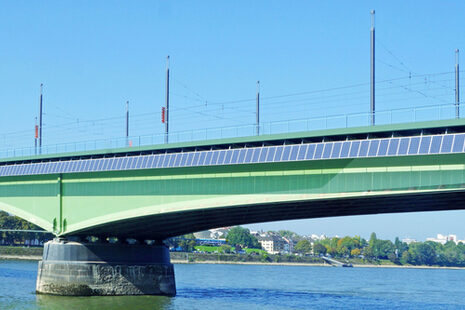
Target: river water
x,y
251,287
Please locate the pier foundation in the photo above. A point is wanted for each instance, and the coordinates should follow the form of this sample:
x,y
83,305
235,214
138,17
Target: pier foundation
x,y
86,269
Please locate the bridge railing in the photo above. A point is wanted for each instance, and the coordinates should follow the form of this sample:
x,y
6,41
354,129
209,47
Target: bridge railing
x,y
397,116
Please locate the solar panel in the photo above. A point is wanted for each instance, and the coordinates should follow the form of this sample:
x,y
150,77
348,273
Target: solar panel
x,y
241,157
373,150
403,146
286,153
172,160
336,150
294,152
271,152
354,149
77,167
145,159
256,155
447,143
435,144
110,163
393,145
195,160
424,145
458,143
383,147
107,164
184,156
363,148
327,150
310,151
190,158
202,158
63,167
215,156
302,152
248,155
279,153
129,163
263,155
318,151
167,158
177,160
345,149
414,145
227,158
221,157
139,162
149,162
208,158
235,155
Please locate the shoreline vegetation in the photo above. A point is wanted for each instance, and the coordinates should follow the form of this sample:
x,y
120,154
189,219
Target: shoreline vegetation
x,y
35,254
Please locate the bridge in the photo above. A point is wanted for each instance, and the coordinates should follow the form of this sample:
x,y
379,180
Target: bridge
x,y
156,192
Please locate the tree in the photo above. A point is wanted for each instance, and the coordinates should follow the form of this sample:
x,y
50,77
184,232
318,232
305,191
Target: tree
x,y
318,249
423,254
303,247
242,237
187,243
355,252
225,248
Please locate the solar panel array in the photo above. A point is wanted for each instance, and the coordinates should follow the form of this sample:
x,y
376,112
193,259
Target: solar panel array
x,y
403,146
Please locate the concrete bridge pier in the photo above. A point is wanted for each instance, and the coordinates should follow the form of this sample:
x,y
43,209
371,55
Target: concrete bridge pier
x,y
86,269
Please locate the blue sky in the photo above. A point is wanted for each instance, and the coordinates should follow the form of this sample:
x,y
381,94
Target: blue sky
x,y
94,56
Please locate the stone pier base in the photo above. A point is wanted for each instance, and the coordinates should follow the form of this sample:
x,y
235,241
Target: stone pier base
x,y
82,269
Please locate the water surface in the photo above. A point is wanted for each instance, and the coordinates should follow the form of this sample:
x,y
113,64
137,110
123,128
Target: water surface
x,y
204,286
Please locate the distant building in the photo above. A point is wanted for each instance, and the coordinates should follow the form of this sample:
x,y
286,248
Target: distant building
x,y
288,246
217,233
409,240
272,244
202,234
444,239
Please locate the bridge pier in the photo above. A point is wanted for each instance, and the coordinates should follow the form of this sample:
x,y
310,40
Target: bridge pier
x,y
86,269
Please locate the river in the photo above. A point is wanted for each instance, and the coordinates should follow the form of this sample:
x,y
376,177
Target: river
x,y
252,287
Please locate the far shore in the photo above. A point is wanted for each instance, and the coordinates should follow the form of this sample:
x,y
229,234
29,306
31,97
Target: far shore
x,y
175,261
178,261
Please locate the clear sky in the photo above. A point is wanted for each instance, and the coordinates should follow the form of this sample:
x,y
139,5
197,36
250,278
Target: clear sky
x,y
311,57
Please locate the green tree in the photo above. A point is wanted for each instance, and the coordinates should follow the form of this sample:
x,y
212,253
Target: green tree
x,y
242,237
318,249
303,247
225,248
187,242
423,253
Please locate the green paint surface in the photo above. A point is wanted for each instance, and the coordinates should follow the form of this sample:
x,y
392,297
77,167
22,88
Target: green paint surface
x,y
90,199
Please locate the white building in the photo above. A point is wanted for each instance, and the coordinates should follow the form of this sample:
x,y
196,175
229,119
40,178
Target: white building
x,y
443,239
409,240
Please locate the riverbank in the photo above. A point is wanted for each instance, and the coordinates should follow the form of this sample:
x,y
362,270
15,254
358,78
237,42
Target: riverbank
x,y
35,254
310,264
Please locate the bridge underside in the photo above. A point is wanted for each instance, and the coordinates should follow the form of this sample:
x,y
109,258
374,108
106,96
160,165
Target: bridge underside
x,y
178,223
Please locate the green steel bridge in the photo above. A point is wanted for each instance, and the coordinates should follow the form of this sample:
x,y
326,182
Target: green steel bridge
x,y
160,191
